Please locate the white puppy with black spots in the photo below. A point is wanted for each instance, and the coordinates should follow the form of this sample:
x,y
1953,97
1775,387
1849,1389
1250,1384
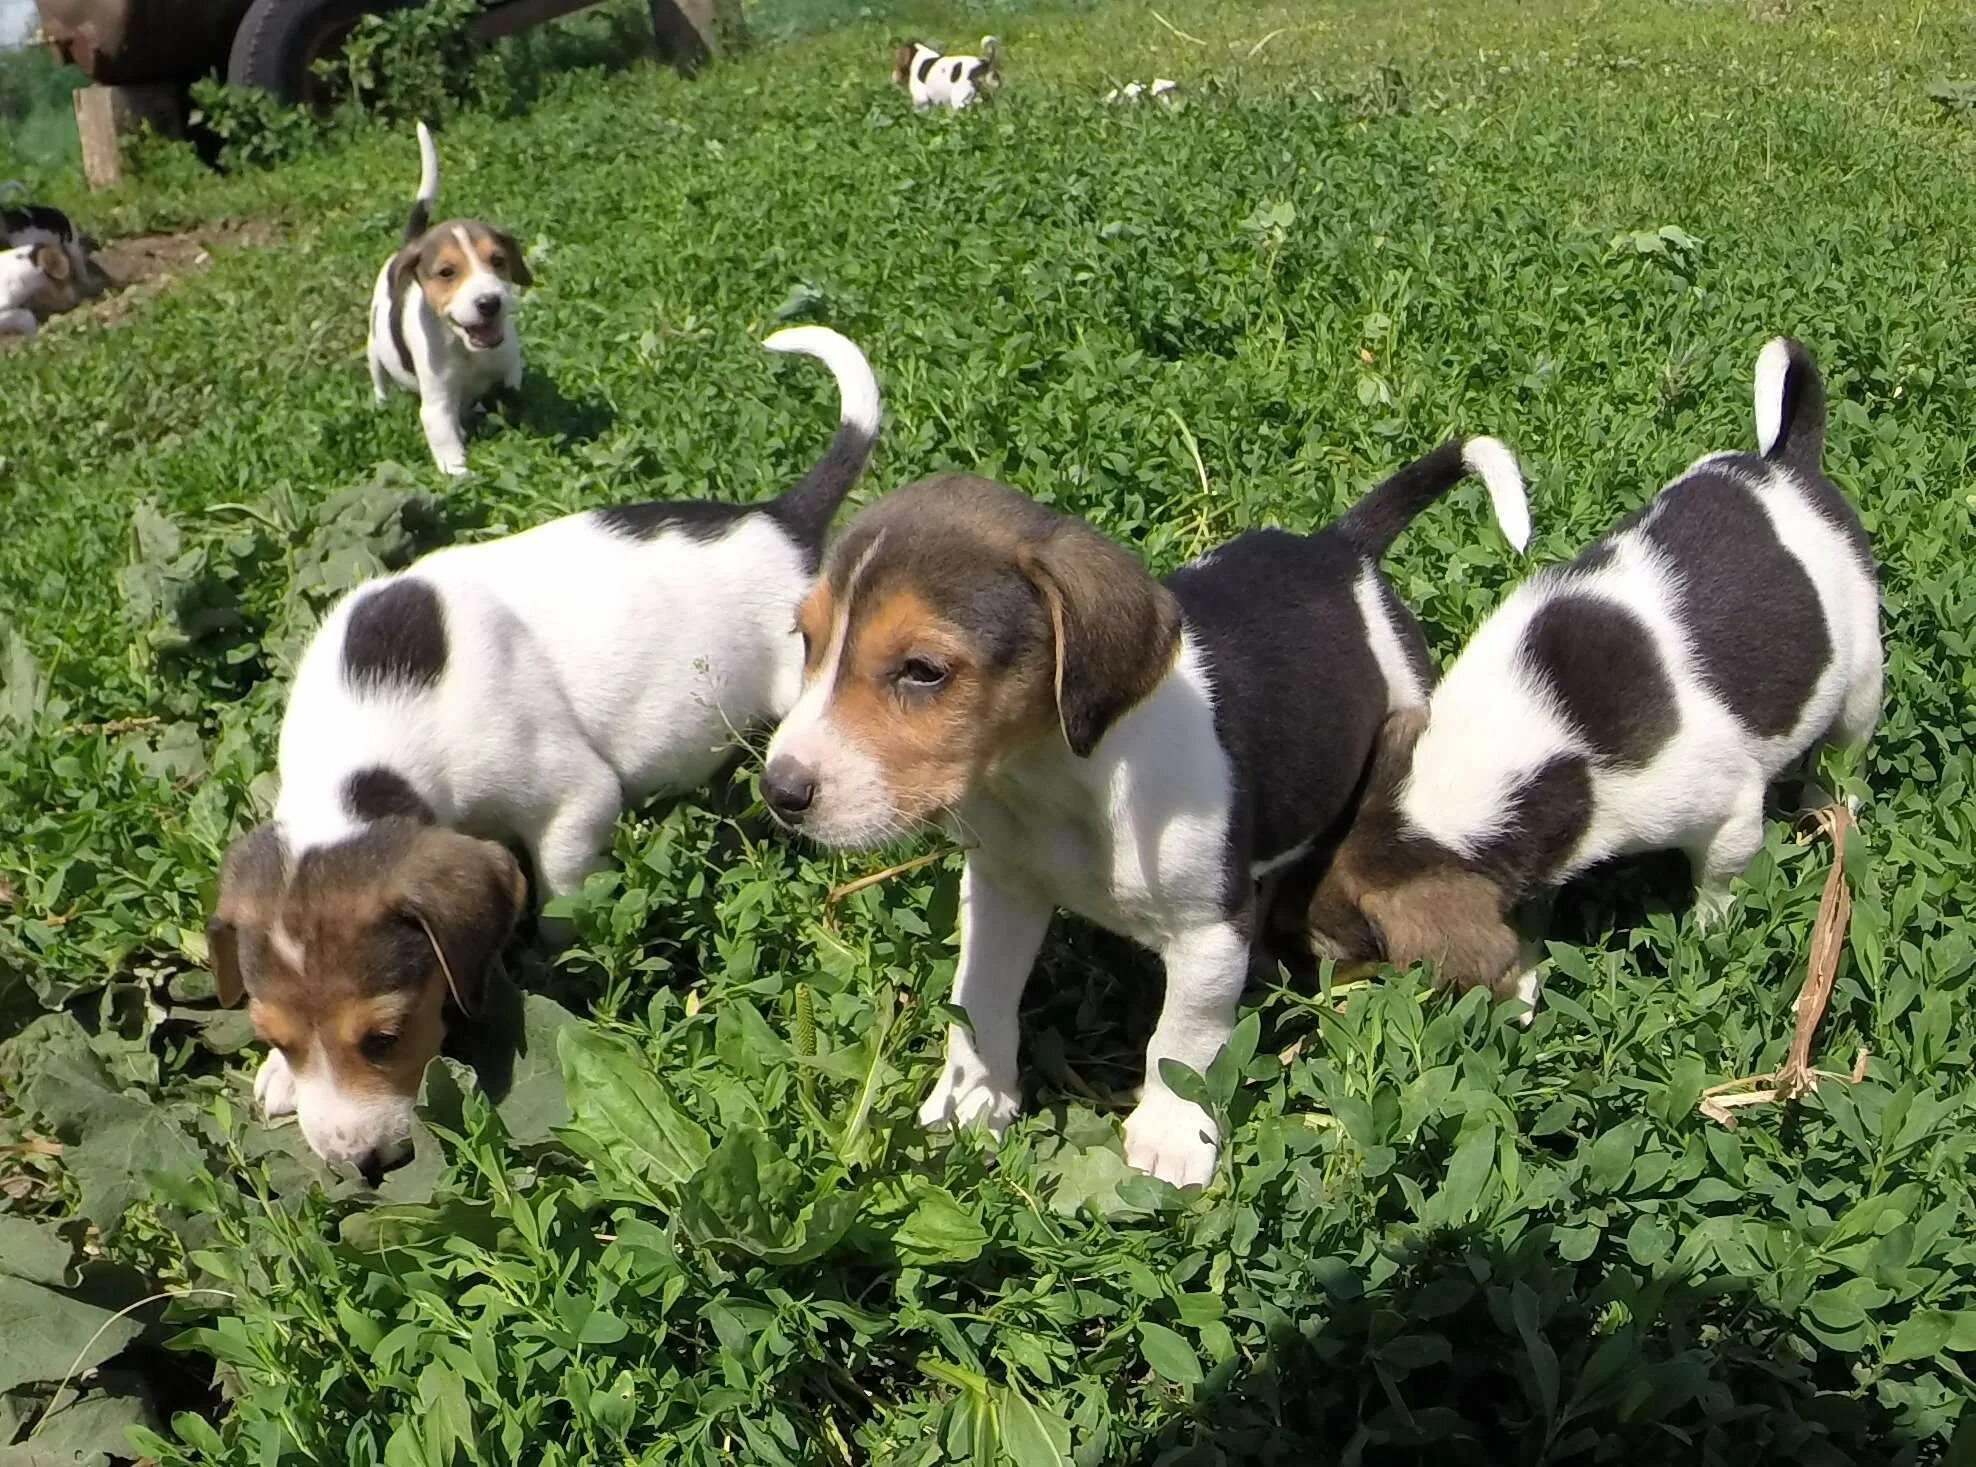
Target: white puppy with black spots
x,y
442,316
935,80
1641,697
1141,752
514,692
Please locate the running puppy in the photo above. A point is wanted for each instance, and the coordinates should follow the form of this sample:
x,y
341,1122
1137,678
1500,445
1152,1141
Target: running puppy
x,y
1139,752
441,317
933,80
1639,698
519,690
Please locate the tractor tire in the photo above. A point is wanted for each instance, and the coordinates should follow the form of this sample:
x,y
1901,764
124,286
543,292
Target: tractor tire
x,y
279,41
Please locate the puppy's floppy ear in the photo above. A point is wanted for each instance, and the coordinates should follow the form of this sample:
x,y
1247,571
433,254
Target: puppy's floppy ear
x,y
902,61
53,261
1454,919
404,267
1115,629
465,894
1392,752
251,879
517,267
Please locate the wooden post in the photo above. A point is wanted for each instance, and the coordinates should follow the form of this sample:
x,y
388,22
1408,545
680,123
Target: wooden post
x,y
105,115
692,32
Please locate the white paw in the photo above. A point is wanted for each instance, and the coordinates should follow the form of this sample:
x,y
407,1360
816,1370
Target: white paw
x,y
1528,985
1174,1139
454,467
964,1094
274,1086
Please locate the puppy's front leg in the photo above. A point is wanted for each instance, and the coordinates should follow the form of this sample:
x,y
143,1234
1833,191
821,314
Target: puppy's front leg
x,y
1175,1139
380,381
440,418
1001,933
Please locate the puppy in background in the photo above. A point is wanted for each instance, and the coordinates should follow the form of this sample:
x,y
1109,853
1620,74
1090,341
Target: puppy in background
x,y
934,80
1140,752
442,316
521,691
36,281
43,224
1640,698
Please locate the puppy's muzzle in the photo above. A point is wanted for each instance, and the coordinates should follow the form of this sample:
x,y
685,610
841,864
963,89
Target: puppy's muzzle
x,y
789,788
485,333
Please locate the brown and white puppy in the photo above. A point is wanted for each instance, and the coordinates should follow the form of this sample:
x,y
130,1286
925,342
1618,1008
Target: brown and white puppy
x,y
1139,752
442,316
36,282
1641,697
934,80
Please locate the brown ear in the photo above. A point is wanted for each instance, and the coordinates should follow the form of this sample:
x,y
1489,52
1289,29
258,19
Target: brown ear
x,y
902,61
518,270
1453,919
1392,751
465,894
404,266
1115,628
53,261
251,879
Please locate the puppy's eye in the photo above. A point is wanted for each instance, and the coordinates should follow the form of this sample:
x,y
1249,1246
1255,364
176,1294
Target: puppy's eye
x,y
447,272
920,674
377,1046
497,261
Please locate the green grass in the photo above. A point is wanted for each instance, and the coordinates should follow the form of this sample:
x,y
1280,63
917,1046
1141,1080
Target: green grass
x,y
701,1224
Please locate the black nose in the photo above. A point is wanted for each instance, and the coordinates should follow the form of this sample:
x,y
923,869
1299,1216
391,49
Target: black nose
x,y
490,305
788,787
370,1166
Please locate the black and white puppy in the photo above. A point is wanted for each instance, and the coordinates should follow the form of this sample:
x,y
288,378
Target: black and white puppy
x,y
1138,752
522,689
442,316
43,224
934,80
1640,698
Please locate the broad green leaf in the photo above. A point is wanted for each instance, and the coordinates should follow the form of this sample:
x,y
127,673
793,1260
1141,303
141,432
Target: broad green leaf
x,y
49,1334
618,1104
1169,1354
1468,1174
1031,1435
34,1251
85,1433
939,1231
1923,1334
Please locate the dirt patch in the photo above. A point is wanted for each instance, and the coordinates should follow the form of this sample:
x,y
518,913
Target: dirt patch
x,y
135,269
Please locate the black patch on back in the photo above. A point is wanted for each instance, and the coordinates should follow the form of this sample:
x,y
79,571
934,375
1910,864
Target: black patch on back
x,y
959,71
1598,662
700,520
1594,557
396,635
1299,697
926,65
1548,816
18,219
378,793
1748,605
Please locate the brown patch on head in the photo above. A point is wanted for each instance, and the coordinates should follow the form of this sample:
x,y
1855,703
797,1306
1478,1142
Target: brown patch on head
x,y
1392,893
902,62
960,621
352,950
443,259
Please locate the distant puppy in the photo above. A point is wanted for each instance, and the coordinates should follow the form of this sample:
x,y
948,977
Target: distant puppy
x,y
518,690
36,281
1140,752
442,316
934,80
42,224
1639,698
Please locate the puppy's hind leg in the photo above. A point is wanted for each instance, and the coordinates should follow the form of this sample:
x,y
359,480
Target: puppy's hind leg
x,y
571,843
380,380
1721,853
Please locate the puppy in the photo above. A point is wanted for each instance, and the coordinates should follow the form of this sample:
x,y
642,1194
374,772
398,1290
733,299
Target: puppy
x,y
442,316
933,80
1163,89
520,690
42,224
1139,752
1639,698
36,281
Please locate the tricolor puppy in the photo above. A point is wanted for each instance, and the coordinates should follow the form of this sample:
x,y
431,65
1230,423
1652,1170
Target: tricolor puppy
x,y
442,316
1138,752
934,80
520,690
1640,698
36,281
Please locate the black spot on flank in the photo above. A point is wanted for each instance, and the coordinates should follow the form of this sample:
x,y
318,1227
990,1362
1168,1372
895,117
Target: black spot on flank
x,y
397,635
1598,663
700,520
1548,816
926,65
1748,605
377,793
959,71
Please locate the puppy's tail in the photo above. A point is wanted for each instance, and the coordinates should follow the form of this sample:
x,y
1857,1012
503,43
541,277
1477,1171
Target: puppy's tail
x,y
1376,521
991,51
421,215
1790,406
805,508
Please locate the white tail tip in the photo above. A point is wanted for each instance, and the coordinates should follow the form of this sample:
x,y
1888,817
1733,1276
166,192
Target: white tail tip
x,y
857,388
428,165
1491,460
1773,366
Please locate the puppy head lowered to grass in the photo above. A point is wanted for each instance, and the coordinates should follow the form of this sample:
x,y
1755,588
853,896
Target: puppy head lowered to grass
x,y
957,624
350,955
